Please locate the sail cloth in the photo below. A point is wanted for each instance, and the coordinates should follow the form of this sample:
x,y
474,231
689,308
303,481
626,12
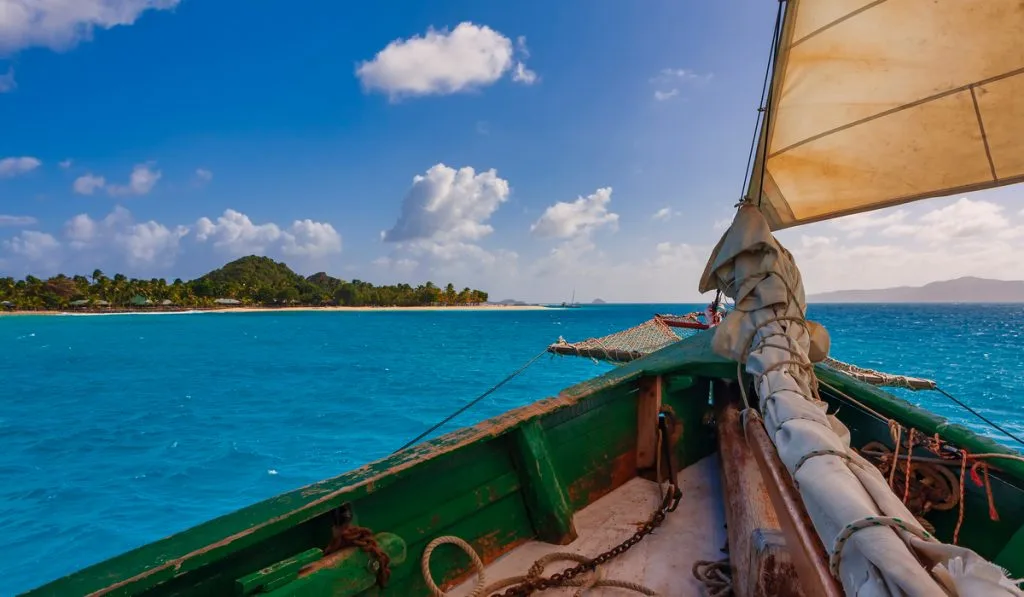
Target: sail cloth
x,y
767,332
877,103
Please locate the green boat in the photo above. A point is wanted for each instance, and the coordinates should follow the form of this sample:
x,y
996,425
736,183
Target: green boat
x,y
734,460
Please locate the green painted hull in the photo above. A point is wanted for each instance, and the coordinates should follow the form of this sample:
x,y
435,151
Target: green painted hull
x,y
508,480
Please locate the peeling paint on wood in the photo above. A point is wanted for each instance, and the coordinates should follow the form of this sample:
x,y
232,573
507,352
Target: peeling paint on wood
x,y
542,489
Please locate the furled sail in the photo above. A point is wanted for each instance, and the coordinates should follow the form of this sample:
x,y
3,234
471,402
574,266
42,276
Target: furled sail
x,y
878,103
877,548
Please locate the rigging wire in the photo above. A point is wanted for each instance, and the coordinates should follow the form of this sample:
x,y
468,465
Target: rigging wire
x,y
761,106
472,402
980,416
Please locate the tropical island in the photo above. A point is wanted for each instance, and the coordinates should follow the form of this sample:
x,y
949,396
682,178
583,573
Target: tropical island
x,y
249,282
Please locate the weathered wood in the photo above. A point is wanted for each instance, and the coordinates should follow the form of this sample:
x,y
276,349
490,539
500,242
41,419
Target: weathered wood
x,y
805,547
761,563
604,354
545,497
345,573
648,404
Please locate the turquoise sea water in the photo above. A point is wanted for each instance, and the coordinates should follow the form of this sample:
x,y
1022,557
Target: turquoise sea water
x,y
119,430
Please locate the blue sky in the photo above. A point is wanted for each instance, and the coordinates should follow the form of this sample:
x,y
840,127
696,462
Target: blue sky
x,y
165,137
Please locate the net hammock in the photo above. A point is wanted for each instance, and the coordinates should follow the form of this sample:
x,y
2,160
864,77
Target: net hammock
x,y
663,330
625,346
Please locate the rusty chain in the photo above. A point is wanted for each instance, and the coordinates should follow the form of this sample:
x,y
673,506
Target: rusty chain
x,y
535,583
670,501
362,537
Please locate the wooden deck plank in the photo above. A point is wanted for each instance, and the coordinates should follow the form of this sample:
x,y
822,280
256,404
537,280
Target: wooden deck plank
x,y
662,561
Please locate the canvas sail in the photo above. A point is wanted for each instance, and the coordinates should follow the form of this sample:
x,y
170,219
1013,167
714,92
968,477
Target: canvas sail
x,y
878,103
845,495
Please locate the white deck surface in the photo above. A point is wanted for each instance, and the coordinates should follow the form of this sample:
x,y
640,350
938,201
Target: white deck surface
x,y
662,561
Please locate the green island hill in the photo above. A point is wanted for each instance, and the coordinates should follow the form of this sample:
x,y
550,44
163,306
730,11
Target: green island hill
x,y
249,281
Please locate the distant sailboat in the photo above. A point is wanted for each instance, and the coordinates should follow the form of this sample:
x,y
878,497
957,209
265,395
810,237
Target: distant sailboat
x,y
572,304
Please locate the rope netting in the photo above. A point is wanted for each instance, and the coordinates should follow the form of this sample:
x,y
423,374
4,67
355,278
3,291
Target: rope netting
x,y
622,347
879,378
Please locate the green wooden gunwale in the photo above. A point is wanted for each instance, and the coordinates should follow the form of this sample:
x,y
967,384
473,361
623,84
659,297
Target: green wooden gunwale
x,y
473,482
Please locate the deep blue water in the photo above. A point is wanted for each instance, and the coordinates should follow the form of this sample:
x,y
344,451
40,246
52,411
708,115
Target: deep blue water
x,y
119,430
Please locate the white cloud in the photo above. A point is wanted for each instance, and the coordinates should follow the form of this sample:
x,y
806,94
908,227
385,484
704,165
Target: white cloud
x,y
311,239
138,244
681,76
32,247
141,181
60,24
65,164
664,214
579,218
442,62
671,79
721,225
87,184
443,215
7,82
521,47
968,237
118,242
17,220
234,234
856,225
524,75
449,205
10,167
204,175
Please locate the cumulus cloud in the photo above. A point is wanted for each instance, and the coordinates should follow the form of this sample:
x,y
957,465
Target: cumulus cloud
x,y
138,243
204,175
965,237
118,242
664,214
442,62
10,167
60,24
142,180
579,218
234,234
449,205
65,164
665,95
88,184
16,220
443,216
7,82
32,247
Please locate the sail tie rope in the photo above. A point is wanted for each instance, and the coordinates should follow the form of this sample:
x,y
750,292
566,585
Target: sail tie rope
x,y
835,556
472,402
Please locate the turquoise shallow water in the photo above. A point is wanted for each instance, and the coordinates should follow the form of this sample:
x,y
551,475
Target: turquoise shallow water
x,y
119,430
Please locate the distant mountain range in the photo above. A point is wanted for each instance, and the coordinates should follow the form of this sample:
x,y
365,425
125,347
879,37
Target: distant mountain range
x,y
960,290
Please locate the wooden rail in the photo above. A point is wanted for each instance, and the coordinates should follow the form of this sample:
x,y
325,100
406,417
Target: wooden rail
x,y
806,549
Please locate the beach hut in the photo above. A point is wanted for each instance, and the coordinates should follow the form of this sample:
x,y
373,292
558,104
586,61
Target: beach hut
x,y
101,303
140,301
79,304
228,302
167,303
7,304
